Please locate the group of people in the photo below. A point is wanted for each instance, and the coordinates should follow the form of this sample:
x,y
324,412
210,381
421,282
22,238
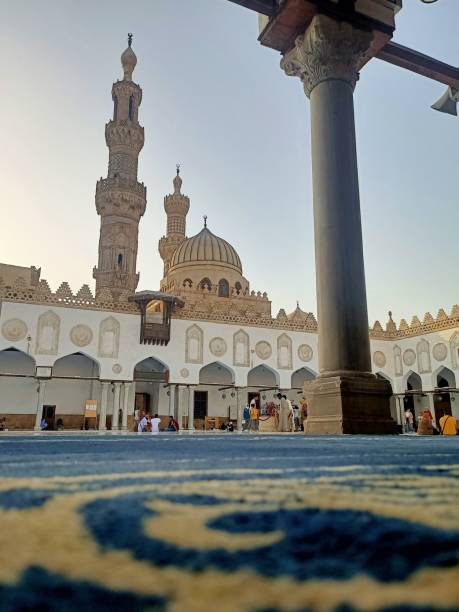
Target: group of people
x,y
447,424
288,417
148,424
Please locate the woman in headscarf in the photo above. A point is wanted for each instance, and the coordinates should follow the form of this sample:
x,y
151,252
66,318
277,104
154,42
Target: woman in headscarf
x,y
425,427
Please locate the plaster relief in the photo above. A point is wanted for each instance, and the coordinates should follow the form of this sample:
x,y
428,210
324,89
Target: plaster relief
x,y
284,352
241,349
194,344
14,330
398,365
440,351
423,352
218,347
109,338
305,352
379,359
263,349
81,335
48,329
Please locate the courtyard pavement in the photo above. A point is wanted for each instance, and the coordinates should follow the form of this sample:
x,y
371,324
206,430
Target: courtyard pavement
x,y
228,522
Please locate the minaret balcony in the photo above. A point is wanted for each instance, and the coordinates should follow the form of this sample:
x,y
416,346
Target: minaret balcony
x,y
119,183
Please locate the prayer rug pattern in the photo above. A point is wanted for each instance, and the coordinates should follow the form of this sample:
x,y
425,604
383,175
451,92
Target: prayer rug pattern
x,y
228,522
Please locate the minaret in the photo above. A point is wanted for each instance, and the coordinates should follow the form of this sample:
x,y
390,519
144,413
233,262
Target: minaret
x,y
176,206
120,198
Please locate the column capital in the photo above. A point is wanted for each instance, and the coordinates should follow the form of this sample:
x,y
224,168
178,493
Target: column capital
x,y
329,49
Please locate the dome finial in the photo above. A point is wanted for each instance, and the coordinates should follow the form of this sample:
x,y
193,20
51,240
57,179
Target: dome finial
x,y
205,220
177,181
128,60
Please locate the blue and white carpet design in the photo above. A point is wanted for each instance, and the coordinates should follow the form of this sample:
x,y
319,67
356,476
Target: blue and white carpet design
x,y
228,522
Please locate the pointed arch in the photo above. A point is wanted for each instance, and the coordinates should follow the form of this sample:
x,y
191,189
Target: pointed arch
x,y
15,361
300,376
262,376
444,374
151,368
423,354
77,364
413,381
216,373
284,352
223,288
194,341
205,284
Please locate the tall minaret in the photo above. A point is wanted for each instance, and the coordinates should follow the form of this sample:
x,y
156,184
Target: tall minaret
x,y
120,198
176,206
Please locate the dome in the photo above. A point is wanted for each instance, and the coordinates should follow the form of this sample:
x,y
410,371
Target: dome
x,y
205,248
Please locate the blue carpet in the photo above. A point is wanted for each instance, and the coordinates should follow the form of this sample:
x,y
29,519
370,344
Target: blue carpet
x,y
229,522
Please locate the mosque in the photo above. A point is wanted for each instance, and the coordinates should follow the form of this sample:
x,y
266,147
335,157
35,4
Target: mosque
x,y
201,346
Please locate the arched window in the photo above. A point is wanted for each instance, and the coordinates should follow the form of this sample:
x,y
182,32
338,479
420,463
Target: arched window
x,y
131,108
120,260
238,288
187,282
205,284
223,288
115,109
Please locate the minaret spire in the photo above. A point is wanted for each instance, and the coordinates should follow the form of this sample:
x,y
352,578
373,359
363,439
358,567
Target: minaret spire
x,y
120,198
176,206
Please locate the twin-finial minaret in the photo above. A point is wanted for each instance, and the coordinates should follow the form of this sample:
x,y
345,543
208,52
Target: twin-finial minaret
x,y
120,198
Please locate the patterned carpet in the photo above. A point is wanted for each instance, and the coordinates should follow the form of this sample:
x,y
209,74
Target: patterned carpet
x,y
228,522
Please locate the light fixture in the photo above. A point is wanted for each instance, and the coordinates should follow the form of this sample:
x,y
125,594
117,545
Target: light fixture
x,y
448,102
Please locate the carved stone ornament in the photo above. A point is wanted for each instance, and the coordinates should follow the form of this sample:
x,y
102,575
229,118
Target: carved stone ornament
x,y
284,352
109,338
14,330
329,49
409,357
440,351
48,329
305,352
379,359
117,368
217,347
263,349
184,372
194,338
81,335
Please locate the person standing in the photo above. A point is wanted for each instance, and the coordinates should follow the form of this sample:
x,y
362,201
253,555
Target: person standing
x,y
253,422
142,426
155,422
245,417
284,411
409,421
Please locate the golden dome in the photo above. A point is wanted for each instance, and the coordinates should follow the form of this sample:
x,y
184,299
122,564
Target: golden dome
x,y
205,248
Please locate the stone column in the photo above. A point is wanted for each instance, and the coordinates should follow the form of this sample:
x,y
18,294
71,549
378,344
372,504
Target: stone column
x,y
171,400
40,402
103,407
239,411
346,397
191,408
178,407
127,389
116,407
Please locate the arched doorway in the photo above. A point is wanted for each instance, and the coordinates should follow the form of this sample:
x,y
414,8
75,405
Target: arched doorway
x,y
151,391
262,383
18,395
445,379
74,382
215,399
413,383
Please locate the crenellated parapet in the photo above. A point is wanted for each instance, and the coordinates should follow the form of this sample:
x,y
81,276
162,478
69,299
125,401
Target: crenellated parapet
x,y
416,327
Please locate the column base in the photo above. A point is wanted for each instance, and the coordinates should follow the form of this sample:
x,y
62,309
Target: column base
x,y
349,404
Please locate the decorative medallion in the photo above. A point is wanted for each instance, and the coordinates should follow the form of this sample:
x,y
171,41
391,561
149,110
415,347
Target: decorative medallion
x,y
184,372
379,359
117,368
409,357
14,330
305,352
217,347
81,335
440,351
263,349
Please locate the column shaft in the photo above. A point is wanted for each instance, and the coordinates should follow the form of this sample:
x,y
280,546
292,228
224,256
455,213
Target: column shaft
x,y
344,344
127,388
239,411
103,407
40,401
116,407
190,408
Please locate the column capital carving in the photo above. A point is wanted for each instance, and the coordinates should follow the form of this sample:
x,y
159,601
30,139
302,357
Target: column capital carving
x,y
329,49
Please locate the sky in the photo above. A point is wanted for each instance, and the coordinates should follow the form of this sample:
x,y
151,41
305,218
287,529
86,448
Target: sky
x,y
216,101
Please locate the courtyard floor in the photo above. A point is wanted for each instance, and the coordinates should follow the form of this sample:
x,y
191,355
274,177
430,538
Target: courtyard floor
x,y
228,522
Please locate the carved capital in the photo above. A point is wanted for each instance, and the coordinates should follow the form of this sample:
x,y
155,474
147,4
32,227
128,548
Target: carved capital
x,y
329,49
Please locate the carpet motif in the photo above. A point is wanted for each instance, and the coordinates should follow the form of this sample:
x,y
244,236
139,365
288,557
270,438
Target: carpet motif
x,y
303,537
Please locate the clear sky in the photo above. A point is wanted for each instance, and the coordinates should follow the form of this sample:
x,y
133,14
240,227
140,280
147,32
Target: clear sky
x,y
218,103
